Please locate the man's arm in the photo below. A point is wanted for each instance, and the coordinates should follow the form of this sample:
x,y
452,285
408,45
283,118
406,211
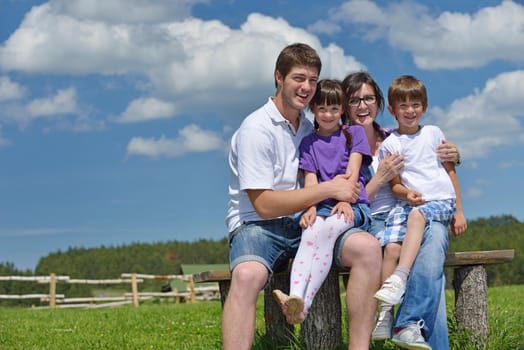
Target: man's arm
x,y
274,203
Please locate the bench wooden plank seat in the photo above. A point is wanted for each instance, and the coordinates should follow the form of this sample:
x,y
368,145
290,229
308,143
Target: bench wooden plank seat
x,y
322,328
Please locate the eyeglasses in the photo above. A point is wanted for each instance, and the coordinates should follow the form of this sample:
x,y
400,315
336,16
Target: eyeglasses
x,y
368,100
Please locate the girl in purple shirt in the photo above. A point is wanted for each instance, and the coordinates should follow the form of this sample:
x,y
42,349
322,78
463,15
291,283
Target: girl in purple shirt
x,y
332,149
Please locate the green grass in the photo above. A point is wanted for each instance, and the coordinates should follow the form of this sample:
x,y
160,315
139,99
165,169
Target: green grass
x,y
197,326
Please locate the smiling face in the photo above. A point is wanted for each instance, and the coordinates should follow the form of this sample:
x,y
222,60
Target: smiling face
x,y
327,117
365,112
408,100
408,114
295,90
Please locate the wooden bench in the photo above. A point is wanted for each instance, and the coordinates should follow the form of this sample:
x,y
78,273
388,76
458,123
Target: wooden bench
x,y
322,328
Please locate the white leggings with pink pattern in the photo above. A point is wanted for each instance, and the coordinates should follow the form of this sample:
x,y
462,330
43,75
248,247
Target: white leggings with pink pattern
x,y
314,257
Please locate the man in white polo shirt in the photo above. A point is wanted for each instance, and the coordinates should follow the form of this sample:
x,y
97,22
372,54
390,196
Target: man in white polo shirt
x,y
265,196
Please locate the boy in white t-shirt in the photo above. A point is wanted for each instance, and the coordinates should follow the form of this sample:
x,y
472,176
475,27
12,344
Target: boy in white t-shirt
x,y
427,189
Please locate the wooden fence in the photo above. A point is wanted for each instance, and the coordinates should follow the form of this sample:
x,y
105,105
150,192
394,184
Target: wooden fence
x,y
190,294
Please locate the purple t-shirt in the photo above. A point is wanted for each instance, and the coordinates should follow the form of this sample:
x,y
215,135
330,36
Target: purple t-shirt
x,y
328,156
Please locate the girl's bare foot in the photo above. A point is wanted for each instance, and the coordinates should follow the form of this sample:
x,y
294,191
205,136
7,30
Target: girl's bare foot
x,y
295,310
296,318
281,299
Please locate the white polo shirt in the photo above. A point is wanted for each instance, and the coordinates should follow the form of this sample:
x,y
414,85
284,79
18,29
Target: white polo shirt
x,y
263,155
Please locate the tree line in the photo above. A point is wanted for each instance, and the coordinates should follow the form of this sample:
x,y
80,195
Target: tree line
x,y
496,232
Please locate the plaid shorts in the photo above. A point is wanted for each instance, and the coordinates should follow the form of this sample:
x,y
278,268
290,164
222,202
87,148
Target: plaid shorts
x,y
396,221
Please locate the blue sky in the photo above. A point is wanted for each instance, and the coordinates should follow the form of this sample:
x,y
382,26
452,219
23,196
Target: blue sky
x,y
115,115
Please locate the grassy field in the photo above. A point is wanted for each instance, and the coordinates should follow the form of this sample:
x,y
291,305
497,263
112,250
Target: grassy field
x,y
197,326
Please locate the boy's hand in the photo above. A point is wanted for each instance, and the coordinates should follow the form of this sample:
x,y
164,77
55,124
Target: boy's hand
x,y
414,198
459,225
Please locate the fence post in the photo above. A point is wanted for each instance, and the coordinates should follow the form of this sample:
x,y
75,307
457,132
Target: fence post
x,y
192,289
52,291
134,289
176,297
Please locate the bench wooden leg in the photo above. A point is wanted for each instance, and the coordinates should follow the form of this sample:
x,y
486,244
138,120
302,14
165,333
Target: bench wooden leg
x,y
223,287
471,302
322,328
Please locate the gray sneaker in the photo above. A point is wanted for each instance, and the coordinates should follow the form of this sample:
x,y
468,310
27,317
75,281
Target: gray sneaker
x,y
411,337
384,325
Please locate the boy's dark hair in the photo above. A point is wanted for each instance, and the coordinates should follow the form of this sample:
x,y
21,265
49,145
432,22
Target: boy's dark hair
x,y
329,92
407,87
297,54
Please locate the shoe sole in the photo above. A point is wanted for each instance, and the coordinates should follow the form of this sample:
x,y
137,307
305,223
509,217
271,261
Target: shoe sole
x,y
380,337
386,299
412,346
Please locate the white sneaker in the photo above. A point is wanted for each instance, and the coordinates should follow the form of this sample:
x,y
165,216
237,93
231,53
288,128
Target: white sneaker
x,y
384,325
392,290
411,337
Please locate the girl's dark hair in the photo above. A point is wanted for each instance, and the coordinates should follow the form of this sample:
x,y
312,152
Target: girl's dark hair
x,y
330,92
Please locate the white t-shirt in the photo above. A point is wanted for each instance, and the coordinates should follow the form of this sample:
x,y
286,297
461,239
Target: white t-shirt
x,y
423,171
263,155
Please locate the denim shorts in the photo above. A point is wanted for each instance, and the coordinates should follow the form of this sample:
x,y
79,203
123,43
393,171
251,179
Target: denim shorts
x,y
363,216
270,242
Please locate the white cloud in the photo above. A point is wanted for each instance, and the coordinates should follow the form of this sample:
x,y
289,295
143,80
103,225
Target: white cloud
x,y
63,102
199,65
324,27
126,11
372,21
510,164
10,90
50,42
473,192
486,119
450,41
190,139
218,55
60,110
477,189
145,109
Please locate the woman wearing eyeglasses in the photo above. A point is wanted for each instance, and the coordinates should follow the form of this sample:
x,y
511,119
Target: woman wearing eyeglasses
x,y
364,101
